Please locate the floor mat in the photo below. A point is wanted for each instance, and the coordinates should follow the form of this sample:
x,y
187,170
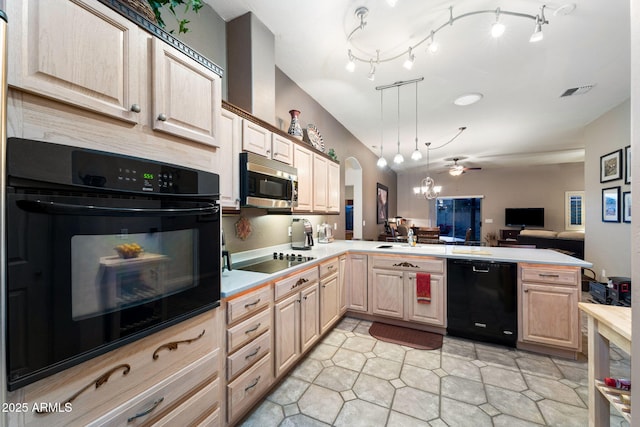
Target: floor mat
x,y
406,336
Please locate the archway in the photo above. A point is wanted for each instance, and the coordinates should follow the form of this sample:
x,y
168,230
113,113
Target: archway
x,y
353,194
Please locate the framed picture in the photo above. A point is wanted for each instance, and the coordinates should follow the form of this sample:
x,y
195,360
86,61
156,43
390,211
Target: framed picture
x,y
611,204
382,204
626,206
627,165
611,166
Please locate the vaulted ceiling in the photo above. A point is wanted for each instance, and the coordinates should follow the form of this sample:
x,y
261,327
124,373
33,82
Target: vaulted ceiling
x,y
521,118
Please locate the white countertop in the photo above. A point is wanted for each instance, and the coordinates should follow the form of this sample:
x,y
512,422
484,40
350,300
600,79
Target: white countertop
x,y
236,281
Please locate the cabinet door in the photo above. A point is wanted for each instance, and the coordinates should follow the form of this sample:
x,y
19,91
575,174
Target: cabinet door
x,y
303,161
433,313
550,315
255,138
287,332
227,159
342,285
329,301
333,187
80,53
281,149
320,175
186,96
309,317
388,293
357,282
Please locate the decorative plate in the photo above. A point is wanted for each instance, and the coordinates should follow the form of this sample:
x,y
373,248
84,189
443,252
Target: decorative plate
x,y
315,138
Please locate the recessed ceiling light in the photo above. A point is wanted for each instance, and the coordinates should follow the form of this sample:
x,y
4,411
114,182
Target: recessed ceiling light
x,y
468,99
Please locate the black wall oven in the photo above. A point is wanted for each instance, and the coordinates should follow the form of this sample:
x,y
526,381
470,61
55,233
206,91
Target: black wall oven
x,y
102,249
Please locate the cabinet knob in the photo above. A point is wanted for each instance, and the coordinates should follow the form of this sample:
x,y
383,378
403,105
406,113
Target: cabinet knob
x,y
162,117
526,290
136,108
268,151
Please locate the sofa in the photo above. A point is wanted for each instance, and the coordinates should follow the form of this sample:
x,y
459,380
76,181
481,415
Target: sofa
x,y
569,242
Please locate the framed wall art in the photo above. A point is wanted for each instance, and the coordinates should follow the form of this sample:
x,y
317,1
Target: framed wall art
x,y
611,166
627,164
611,204
382,198
626,206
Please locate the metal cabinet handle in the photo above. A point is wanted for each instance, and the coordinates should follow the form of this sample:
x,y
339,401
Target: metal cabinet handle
x,y
405,264
331,267
96,383
553,276
162,117
136,108
526,290
249,356
255,328
154,405
174,345
251,304
252,385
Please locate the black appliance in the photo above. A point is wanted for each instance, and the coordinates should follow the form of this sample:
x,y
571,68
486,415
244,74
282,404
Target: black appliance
x,y
481,300
599,292
273,263
620,290
102,249
266,183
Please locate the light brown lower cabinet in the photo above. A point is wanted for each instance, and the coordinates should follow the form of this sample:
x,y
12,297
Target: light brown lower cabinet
x,y
549,306
330,291
356,279
296,317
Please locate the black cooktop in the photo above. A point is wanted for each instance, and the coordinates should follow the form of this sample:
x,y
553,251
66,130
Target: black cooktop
x,y
273,263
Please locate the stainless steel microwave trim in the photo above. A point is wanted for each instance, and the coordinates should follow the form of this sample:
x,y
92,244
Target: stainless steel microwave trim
x,y
260,202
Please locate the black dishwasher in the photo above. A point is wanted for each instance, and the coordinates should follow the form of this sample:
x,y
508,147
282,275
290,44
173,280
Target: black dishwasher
x,y
481,300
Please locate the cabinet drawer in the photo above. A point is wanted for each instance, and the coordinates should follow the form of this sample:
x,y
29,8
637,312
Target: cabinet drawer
x,y
123,373
247,355
556,276
161,396
433,265
246,331
198,407
244,391
296,282
250,303
328,267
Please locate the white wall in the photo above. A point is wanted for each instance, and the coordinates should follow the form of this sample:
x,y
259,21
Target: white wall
x,y
607,245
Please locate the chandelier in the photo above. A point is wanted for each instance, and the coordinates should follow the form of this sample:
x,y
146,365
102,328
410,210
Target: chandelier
x,y
497,30
428,187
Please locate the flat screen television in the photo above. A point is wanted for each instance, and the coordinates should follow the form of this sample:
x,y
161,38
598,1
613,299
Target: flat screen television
x,y
524,217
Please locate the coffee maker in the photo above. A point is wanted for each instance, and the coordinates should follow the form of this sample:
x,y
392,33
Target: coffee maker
x,y
301,234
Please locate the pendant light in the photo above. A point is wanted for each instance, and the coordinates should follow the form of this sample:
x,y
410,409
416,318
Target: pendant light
x,y
428,184
382,162
417,154
398,158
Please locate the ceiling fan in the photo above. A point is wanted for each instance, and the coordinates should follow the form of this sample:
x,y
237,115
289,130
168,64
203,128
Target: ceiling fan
x,y
455,169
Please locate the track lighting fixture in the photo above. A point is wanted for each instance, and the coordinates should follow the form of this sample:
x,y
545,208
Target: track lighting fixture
x,y
497,30
408,63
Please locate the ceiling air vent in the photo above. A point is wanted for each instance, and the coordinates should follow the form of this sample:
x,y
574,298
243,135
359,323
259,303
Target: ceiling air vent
x,y
577,90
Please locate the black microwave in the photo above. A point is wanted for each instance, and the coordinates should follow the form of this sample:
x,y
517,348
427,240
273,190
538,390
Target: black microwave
x,y
266,183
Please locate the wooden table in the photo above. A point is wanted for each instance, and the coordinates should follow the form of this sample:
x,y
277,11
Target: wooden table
x,y
607,324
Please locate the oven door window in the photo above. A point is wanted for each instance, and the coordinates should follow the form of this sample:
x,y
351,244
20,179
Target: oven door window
x,y
113,272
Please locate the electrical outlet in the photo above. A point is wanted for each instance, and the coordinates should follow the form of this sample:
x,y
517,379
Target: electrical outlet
x,y
364,223
488,221
289,232
335,225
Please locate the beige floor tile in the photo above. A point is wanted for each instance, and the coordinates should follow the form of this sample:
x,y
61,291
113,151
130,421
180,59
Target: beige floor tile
x,y
513,403
336,378
464,390
320,403
358,413
416,403
459,414
374,390
382,368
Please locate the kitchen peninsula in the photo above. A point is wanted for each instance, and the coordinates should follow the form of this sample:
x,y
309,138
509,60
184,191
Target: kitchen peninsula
x,y
273,319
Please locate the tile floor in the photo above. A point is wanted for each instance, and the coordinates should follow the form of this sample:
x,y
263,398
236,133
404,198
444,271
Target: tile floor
x,y
352,379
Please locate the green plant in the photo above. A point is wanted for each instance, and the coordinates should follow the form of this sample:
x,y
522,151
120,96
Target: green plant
x,y
158,5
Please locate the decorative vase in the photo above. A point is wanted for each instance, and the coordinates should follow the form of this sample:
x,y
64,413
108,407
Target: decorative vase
x,y
294,127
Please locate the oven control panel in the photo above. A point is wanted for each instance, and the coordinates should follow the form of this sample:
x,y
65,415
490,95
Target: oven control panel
x,y
131,174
